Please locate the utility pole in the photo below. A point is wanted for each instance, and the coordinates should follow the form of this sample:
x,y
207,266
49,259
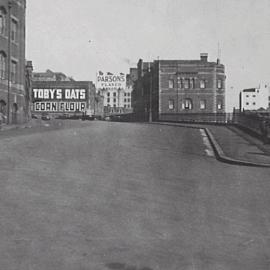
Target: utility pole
x,y
150,93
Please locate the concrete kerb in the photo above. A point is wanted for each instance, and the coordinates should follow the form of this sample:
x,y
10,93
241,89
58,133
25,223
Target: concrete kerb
x,y
219,154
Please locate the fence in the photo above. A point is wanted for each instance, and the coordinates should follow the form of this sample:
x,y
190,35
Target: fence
x,y
257,124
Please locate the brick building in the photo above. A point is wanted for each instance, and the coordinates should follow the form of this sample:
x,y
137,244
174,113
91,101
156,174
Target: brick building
x,y
180,89
55,93
12,61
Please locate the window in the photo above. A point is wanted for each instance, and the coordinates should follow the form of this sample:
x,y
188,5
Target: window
x,y
2,65
108,100
128,94
254,103
181,83
247,103
128,100
254,96
219,84
125,94
247,95
186,83
114,100
171,84
219,105
202,84
114,94
125,100
13,74
108,94
192,83
187,104
171,104
202,104
2,21
14,30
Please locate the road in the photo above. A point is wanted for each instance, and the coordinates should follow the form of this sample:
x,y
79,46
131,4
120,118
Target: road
x,y
125,196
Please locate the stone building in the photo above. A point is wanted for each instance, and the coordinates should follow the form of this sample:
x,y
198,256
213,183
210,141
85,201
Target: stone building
x,y
12,61
117,91
180,89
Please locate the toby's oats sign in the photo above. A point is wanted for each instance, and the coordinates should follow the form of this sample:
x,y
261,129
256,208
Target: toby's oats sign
x,y
59,100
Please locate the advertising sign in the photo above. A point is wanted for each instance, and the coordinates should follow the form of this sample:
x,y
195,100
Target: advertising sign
x,y
111,81
59,100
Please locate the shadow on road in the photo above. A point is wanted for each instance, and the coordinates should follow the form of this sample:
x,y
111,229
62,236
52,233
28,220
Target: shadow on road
x,y
122,266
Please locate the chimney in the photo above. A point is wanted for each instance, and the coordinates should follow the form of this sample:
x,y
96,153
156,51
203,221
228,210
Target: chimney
x,y
204,57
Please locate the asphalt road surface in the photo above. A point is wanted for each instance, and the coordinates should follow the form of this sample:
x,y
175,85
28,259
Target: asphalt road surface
x,y
123,196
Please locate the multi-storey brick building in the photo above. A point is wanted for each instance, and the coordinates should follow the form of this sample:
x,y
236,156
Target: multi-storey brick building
x,y
180,89
12,60
55,93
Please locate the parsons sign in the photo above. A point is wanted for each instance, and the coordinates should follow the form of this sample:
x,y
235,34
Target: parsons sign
x,y
59,100
110,81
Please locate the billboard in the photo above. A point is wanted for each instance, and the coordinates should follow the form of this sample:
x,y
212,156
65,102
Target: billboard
x,y
111,81
59,100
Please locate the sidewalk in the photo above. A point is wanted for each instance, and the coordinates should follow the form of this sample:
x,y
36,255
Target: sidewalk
x,y
238,145
233,145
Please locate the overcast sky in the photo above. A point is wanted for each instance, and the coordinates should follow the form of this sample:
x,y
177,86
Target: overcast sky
x,y
81,37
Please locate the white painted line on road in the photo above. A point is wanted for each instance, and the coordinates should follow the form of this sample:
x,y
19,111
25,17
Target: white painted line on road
x,y
209,151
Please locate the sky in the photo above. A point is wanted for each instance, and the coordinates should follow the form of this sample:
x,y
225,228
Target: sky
x,y
81,37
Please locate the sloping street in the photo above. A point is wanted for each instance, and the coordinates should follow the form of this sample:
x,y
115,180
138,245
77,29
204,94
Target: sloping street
x,y
103,195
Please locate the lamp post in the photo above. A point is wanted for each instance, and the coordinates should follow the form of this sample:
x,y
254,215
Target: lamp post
x,y
9,52
150,96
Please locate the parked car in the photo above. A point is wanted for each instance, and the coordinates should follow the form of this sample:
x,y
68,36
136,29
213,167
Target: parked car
x,y
34,116
88,117
45,117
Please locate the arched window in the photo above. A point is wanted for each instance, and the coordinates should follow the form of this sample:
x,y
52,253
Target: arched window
x,y
3,14
187,104
3,60
3,106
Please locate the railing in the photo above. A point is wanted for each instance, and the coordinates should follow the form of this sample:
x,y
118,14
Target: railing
x,y
257,124
254,122
221,118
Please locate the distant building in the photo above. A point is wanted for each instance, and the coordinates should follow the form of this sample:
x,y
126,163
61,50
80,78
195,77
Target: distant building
x,y
251,99
117,91
12,61
49,75
174,89
56,93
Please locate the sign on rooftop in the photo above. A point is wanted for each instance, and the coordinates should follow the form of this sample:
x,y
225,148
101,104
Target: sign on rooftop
x,y
108,80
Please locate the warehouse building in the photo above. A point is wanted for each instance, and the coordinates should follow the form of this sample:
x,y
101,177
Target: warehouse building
x,y
55,93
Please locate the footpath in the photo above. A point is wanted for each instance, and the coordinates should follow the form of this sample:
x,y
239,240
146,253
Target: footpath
x,y
232,145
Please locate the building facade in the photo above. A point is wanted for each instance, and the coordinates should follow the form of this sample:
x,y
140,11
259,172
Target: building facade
x,y
12,61
180,89
58,94
117,92
251,99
